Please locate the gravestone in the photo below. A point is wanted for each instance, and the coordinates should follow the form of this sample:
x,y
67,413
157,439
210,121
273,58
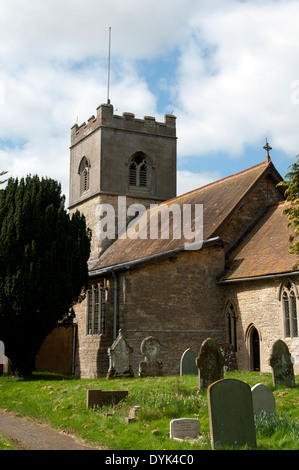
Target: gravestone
x,y
282,366
210,362
184,428
104,397
132,414
119,358
231,414
230,357
150,348
263,400
2,353
187,363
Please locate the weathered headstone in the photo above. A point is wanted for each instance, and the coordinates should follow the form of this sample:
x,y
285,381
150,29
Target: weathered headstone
x,y
2,353
282,365
187,363
210,362
132,414
230,357
151,366
99,398
119,358
184,428
231,414
263,400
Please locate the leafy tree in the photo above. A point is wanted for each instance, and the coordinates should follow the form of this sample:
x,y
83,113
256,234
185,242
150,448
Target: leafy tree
x,y
291,183
43,266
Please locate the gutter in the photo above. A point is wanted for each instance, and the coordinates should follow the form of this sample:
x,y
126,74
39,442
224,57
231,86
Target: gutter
x,y
74,348
254,278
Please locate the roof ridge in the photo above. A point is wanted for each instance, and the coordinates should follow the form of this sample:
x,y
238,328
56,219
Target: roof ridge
x,y
219,181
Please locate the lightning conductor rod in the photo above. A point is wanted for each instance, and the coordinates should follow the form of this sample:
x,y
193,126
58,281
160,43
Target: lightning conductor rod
x,y
108,98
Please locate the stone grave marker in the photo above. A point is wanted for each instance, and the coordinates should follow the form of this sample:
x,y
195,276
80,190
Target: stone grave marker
x,y
230,357
187,363
150,366
104,397
210,362
119,358
263,400
132,414
184,428
231,414
282,365
2,354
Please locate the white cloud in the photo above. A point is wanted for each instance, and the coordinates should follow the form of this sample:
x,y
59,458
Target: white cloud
x,y
237,61
64,29
235,79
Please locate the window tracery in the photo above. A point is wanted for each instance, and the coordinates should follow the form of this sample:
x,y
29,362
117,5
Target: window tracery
x,y
289,304
138,171
84,173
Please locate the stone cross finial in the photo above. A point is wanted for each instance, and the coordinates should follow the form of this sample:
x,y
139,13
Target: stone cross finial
x,y
268,148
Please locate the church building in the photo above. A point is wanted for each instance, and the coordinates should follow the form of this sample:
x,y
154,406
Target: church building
x,y
236,284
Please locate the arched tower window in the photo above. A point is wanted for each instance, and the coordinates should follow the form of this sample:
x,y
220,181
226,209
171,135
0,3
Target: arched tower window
x,y
289,306
84,170
231,324
138,171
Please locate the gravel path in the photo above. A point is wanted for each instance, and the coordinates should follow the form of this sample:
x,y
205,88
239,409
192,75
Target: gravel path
x,y
31,436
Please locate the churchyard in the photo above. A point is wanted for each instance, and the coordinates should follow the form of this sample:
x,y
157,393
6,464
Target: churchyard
x,y
61,402
210,406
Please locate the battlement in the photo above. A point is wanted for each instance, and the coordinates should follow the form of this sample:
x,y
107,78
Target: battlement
x,y
126,122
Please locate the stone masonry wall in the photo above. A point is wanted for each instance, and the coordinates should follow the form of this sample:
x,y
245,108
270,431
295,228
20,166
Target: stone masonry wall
x,y
177,301
264,195
91,349
257,303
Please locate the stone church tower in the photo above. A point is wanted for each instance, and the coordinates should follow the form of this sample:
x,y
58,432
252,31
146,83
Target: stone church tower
x,y
114,156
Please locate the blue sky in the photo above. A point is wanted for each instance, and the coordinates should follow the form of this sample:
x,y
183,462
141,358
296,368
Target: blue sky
x,y
228,70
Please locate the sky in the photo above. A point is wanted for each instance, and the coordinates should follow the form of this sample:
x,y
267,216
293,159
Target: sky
x,y
227,69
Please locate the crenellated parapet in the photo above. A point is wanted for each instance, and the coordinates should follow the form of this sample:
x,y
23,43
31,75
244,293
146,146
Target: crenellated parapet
x,y
126,122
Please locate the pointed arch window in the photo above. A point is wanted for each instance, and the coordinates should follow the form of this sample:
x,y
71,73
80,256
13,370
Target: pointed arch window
x,y
231,324
138,171
289,305
84,173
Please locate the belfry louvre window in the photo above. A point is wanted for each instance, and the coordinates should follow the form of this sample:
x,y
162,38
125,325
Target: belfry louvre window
x,y
84,175
289,303
138,171
133,174
142,175
96,310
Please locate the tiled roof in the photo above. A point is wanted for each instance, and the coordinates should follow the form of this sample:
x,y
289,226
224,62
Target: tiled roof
x,y
266,248
219,200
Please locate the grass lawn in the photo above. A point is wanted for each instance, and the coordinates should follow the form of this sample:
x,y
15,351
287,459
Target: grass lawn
x,y
60,402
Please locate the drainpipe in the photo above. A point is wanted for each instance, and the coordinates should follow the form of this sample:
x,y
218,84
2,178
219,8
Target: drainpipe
x,y
74,346
115,279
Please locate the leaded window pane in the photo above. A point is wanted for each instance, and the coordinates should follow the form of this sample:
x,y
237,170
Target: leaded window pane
x,y
89,312
96,310
103,309
294,315
287,314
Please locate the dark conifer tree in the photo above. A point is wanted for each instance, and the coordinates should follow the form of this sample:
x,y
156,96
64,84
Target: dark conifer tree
x,y
43,266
